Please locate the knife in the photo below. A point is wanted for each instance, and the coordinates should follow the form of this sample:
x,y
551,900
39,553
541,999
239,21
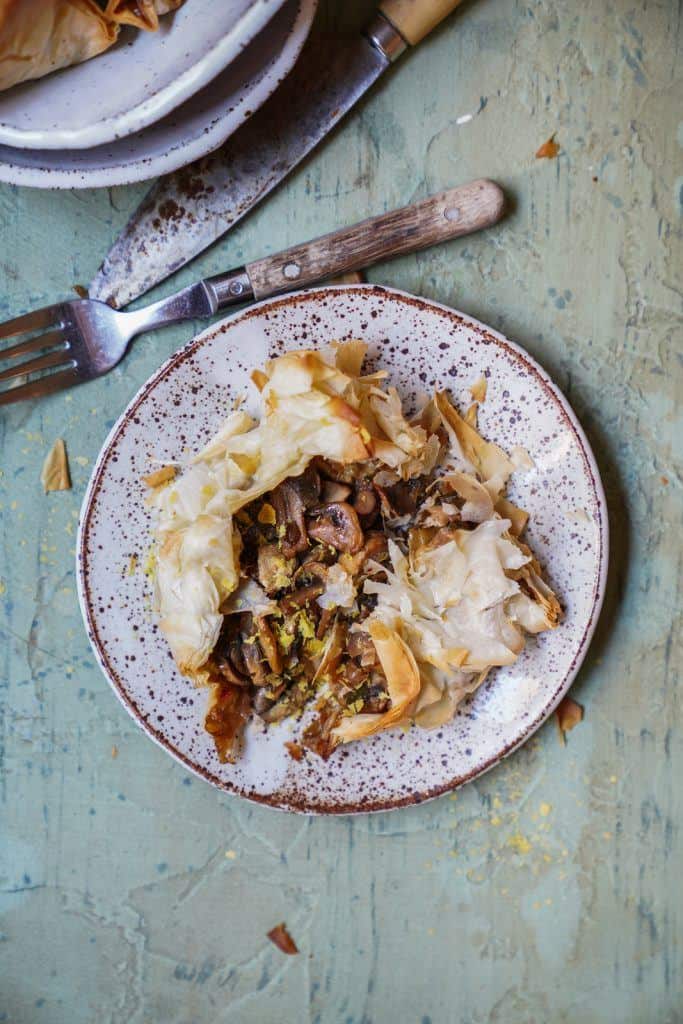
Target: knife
x,y
190,209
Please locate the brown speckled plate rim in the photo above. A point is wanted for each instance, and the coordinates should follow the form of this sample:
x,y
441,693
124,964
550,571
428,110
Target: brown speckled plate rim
x,y
285,801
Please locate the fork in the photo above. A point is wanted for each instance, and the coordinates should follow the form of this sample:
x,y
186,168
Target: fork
x,y
75,341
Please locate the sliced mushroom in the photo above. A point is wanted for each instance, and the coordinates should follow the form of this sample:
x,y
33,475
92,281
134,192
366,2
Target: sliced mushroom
x,y
310,579
354,674
291,695
388,511
376,701
337,524
330,470
308,486
301,598
311,571
254,665
289,511
366,503
334,491
227,657
368,602
236,656
326,620
376,547
274,568
250,538
321,554
226,669
359,645
405,496
269,644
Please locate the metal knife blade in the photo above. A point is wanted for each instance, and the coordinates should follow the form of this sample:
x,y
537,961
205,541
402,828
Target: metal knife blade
x,y
190,209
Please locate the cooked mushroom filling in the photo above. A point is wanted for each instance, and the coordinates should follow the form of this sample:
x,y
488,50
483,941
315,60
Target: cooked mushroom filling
x,y
311,557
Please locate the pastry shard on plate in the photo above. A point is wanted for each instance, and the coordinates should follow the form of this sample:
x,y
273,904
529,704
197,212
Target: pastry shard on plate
x,y
339,560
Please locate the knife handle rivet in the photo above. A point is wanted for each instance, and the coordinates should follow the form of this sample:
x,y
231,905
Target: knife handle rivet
x,y
236,288
291,271
452,213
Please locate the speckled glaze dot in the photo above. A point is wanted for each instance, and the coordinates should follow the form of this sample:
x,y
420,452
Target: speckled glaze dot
x,y
424,346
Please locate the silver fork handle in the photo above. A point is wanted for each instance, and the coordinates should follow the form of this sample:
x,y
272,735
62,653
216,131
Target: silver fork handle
x,y
196,302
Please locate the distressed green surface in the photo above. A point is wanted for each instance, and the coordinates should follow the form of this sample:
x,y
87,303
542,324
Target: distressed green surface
x,y
549,890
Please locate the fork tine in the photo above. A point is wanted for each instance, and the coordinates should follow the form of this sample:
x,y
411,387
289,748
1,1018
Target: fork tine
x,y
41,363
48,316
41,386
46,340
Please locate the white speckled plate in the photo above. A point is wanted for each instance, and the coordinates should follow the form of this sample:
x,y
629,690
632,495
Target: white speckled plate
x,y
143,77
424,346
197,127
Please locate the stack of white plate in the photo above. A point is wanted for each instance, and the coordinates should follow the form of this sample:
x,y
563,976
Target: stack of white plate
x,y
154,102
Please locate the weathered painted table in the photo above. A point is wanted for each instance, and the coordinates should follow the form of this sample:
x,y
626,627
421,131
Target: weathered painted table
x,y
548,891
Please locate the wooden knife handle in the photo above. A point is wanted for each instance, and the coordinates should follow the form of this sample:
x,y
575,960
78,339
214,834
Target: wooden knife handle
x,y
416,18
458,211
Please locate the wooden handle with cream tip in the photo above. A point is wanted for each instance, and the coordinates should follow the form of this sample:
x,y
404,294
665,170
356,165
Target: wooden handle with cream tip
x,y
440,217
416,18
